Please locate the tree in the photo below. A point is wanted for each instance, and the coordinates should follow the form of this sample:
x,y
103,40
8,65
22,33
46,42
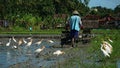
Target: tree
x,y
102,11
86,2
117,9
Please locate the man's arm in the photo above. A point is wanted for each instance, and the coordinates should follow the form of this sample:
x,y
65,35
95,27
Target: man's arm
x,y
81,26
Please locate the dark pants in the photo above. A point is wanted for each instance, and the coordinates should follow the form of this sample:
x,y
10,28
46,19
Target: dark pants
x,y
74,36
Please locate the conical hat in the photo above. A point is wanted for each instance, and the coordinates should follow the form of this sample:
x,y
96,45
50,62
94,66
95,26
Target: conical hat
x,y
75,12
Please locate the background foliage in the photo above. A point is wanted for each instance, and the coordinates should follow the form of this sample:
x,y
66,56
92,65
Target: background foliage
x,y
40,13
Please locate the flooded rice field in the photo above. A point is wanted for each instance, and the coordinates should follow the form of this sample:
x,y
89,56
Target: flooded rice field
x,y
16,53
43,53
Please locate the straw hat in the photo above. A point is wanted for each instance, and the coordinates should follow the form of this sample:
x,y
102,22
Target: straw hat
x,y
75,12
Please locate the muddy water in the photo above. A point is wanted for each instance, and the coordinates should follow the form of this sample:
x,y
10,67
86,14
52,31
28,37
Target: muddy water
x,y
25,56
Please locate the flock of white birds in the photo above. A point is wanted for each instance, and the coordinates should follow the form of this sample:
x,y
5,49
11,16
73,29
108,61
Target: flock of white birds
x,y
30,42
106,48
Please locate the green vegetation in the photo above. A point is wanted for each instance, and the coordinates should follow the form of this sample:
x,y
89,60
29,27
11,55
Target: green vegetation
x,y
42,14
112,34
92,56
24,31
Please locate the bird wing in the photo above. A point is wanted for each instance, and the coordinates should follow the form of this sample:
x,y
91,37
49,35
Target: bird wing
x,y
104,51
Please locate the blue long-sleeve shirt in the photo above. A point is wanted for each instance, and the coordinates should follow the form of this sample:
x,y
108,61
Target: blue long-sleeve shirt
x,y
75,22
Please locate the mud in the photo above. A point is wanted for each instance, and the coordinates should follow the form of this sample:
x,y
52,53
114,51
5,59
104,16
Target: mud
x,y
25,57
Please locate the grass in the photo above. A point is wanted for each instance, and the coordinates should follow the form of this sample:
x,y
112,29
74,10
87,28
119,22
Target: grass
x,y
45,31
95,48
93,54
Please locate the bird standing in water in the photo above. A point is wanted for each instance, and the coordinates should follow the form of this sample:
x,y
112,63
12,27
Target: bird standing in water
x,y
50,41
37,51
20,42
39,42
30,42
8,44
14,39
58,52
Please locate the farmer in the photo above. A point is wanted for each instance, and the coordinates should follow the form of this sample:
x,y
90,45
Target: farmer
x,y
75,25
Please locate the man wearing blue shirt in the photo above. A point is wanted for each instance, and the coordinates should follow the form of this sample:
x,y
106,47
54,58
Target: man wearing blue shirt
x,y
75,24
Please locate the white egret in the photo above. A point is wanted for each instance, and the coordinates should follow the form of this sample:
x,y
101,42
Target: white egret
x,y
39,42
24,41
39,49
50,41
29,38
8,44
14,40
104,51
58,52
29,43
105,42
108,47
20,42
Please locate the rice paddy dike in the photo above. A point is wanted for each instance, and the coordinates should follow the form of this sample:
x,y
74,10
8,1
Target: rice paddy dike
x,y
83,56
